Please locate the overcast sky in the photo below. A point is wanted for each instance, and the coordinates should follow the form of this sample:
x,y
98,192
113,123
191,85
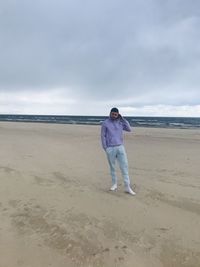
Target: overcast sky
x,y
85,56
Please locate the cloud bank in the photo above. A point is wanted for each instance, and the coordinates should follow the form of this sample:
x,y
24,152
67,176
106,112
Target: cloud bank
x,y
82,57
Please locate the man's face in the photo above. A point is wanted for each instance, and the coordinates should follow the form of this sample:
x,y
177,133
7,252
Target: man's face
x,y
114,115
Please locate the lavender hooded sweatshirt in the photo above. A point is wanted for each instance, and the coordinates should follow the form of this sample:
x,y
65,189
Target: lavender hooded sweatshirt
x,y
112,132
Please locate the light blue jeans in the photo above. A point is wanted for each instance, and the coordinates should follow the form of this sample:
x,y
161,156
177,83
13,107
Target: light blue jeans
x,y
118,153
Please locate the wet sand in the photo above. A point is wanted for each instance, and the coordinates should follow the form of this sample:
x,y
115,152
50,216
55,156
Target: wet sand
x,y
56,209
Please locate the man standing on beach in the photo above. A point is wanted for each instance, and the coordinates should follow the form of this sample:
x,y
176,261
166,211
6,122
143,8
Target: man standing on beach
x,y
112,142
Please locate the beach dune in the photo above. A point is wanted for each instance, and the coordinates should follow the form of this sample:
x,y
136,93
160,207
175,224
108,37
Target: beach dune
x,y
56,209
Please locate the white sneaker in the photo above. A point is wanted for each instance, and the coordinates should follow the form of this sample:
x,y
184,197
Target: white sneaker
x,y
113,187
130,191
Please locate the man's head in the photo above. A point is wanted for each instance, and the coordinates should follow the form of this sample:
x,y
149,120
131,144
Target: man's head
x,y
114,113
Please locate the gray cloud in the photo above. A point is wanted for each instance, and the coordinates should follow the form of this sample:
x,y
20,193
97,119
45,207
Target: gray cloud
x,y
133,52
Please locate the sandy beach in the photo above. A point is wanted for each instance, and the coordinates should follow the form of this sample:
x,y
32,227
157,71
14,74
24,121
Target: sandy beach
x,y
57,210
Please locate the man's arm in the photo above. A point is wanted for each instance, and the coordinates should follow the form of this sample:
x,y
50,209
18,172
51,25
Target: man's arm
x,y
125,124
103,136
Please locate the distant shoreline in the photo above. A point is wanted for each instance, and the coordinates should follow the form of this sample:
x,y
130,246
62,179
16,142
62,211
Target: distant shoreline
x,y
135,121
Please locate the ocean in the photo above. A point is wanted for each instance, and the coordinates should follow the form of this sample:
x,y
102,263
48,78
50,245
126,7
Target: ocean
x,y
158,122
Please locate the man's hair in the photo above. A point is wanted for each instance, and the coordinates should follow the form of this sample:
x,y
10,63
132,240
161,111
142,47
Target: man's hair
x,y
114,110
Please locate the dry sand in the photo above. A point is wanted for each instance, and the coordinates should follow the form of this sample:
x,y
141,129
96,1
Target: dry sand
x,y
56,209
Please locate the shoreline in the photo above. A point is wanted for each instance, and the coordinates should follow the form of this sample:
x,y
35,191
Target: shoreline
x,y
136,121
99,125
